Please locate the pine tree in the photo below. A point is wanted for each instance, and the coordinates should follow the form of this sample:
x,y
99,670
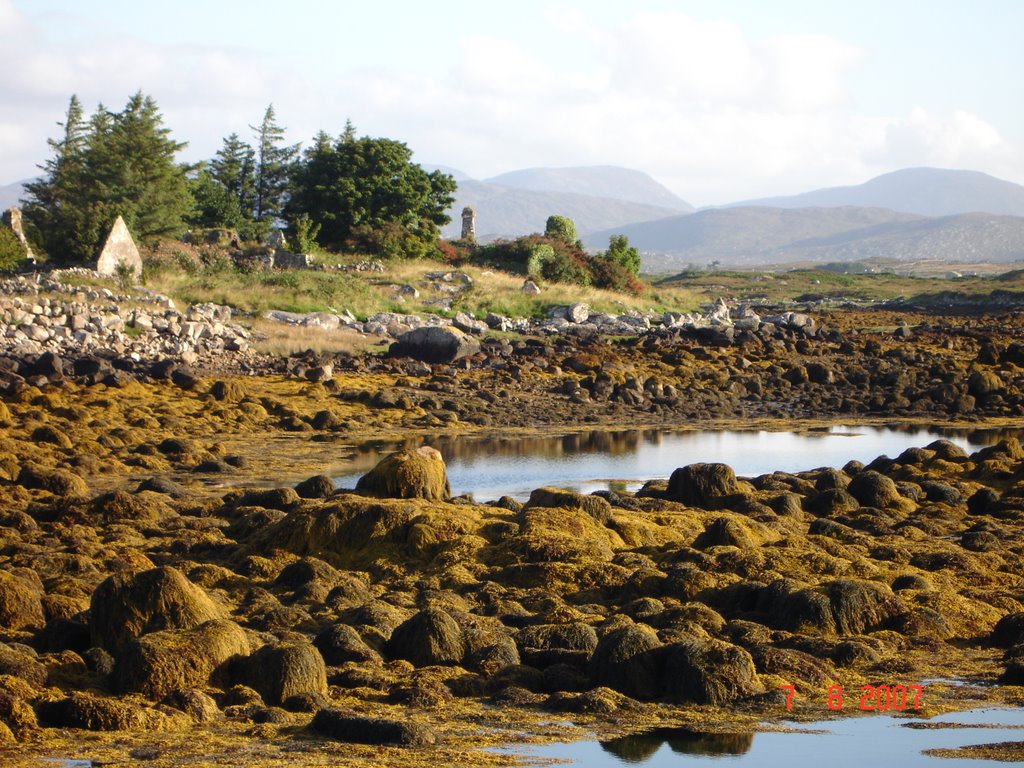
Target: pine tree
x,y
234,168
118,164
53,207
273,166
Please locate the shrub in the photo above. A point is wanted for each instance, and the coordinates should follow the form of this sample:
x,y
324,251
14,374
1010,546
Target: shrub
x,y
12,252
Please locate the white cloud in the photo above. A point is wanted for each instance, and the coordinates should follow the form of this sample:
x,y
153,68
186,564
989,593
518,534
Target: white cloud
x,y
704,107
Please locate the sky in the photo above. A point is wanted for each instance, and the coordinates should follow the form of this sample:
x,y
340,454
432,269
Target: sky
x,y
719,100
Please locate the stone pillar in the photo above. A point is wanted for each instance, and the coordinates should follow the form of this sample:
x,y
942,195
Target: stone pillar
x,y
468,224
119,249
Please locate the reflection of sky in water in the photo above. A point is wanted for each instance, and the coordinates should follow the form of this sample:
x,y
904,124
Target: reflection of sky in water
x,y
853,742
488,472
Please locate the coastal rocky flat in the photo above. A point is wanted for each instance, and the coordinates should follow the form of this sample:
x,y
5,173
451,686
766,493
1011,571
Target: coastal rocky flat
x,y
181,582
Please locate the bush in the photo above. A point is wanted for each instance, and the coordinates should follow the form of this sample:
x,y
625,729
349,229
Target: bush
x,y
12,252
561,228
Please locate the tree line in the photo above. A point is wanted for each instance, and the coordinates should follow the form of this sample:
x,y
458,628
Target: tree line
x,y
344,193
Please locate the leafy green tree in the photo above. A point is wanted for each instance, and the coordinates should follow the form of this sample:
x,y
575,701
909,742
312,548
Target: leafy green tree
x,y
274,160
622,253
562,228
118,164
367,192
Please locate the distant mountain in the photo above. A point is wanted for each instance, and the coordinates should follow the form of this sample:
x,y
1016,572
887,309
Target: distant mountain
x,y
762,235
11,194
924,191
607,181
504,211
455,173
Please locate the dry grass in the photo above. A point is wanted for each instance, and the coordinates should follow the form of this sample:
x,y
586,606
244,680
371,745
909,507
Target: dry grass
x,y
274,338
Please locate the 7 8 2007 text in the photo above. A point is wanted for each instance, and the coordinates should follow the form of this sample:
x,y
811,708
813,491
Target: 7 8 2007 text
x,y
873,698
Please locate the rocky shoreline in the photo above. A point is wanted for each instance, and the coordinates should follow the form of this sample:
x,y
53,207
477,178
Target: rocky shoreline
x,y
148,614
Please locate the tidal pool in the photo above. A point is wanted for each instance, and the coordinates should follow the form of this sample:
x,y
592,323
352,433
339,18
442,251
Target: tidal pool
x,y
854,742
499,465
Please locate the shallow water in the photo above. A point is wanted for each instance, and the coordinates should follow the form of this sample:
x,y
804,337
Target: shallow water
x,y
490,467
855,742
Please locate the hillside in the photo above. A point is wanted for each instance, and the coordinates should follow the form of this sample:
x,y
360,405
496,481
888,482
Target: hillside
x,y
924,191
761,235
503,211
11,193
596,181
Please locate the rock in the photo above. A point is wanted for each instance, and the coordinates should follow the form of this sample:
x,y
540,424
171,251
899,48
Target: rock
x,y
469,324
861,606
430,637
192,701
227,391
627,660
340,643
97,713
60,482
710,672
127,605
21,604
160,662
419,474
595,506
725,531
574,636
316,487
530,288
873,489
1009,631
119,251
984,383
435,345
701,484
282,671
339,725
16,661
283,499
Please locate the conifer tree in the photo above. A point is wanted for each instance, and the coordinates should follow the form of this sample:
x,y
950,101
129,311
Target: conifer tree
x,y
117,164
234,168
273,165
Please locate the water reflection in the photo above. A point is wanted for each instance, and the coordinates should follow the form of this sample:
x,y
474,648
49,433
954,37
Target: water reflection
x,y
640,747
491,466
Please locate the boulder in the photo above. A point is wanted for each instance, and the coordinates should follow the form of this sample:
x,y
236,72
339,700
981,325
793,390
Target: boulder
x,y
315,487
173,659
419,474
17,661
342,726
279,672
99,713
873,489
700,485
710,672
60,482
861,606
429,637
21,603
627,660
340,643
598,508
127,605
1009,631
435,344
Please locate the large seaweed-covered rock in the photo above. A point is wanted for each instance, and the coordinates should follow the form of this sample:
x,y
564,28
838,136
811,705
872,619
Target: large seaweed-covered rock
x,y
699,485
340,643
127,605
627,660
595,506
100,713
60,482
22,664
873,489
21,603
173,659
336,724
427,638
709,672
435,344
861,606
1009,631
419,474
279,672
